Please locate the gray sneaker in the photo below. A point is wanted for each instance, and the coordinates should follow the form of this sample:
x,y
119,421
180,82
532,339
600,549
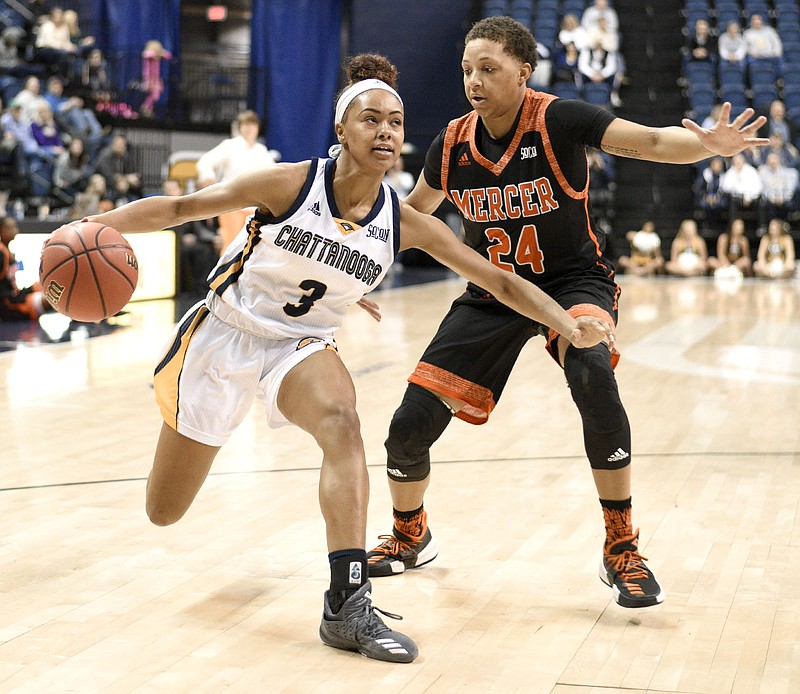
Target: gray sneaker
x,y
356,627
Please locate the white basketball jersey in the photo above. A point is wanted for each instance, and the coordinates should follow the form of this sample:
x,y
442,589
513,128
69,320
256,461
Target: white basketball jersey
x,y
295,275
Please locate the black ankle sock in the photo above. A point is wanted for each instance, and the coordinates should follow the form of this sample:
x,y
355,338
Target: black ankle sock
x,y
348,574
616,505
407,515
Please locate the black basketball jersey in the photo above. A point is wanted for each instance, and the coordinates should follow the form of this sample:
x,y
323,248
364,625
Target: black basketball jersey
x,y
525,205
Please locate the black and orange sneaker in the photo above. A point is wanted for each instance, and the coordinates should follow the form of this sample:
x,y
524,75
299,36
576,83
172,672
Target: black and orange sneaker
x,y
402,550
623,568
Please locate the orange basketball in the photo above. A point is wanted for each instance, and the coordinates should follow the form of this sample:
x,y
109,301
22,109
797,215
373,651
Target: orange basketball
x,y
88,271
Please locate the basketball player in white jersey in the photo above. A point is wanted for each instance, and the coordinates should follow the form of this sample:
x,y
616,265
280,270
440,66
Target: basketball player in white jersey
x,y
323,235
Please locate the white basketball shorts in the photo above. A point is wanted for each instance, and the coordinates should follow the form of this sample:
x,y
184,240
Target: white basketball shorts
x,y
210,373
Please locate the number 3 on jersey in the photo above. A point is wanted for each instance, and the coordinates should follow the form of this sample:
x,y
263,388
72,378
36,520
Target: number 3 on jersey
x,y
526,253
316,291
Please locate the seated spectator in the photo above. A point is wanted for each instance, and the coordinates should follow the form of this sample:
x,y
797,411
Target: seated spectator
x,y
71,173
114,161
711,199
83,44
571,31
596,64
13,68
763,42
231,157
399,179
601,182
645,257
87,202
778,122
732,46
199,249
742,184
776,257
733,251
565,67
94,78
778,189
18,136
71,115
688,254
601,36
16,303
30,97
46,132
592,14
702,44
54,46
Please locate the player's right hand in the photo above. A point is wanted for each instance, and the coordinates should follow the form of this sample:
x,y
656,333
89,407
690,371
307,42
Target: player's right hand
x,y
591,331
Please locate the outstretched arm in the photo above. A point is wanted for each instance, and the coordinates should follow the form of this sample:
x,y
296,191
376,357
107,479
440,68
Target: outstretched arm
x,y
435,237
686,145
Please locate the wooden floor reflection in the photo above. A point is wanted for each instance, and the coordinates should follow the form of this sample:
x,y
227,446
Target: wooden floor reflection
x,y
94,599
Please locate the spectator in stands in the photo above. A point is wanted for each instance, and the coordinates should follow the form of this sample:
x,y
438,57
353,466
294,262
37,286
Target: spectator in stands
x,y
16,304
240,153
399,179
565,67
30,97
40,10
733,251
601,35
46,132
702,44
592,14
689,253
72,170
54,46
571,31
763,42
17,128
88,201
778,122
71,114
742,184
598,65
710,197
732,46
778,189
645,257
12,67
776,254
83,44
152,83
601,183
113,161
94,78
199,248
712,118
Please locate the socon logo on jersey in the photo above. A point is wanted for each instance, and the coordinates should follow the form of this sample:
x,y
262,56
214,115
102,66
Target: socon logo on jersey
x,y
527,152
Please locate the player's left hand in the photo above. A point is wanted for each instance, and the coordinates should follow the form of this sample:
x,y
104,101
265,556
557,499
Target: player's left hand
x,y
590,331
370,307
729,138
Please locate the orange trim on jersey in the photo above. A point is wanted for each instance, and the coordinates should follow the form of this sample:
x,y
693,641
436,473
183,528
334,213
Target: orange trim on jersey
x,y
584,310
479,400
541,126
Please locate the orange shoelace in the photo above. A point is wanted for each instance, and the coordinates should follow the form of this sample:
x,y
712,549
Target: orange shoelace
x,y
629,565
392,545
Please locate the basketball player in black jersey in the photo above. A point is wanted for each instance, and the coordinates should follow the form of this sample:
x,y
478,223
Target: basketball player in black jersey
x,y
515,167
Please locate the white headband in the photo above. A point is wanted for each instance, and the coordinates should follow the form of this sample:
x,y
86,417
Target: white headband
x,y
357,89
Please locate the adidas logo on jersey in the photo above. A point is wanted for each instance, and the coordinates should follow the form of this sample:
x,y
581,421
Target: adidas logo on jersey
x,y
617,455
464,160
315,208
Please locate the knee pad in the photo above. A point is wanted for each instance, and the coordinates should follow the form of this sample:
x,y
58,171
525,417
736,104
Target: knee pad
x,y
606,431
416,425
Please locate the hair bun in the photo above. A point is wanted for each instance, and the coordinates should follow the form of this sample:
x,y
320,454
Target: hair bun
x,y
367,66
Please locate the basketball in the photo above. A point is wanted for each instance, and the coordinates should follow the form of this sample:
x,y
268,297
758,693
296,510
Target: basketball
x,y
88,271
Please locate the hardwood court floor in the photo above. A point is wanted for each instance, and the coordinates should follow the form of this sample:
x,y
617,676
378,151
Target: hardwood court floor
x,y
95,599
